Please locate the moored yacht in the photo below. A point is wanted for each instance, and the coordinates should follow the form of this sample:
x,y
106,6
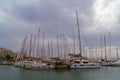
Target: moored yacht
x,y
116,64
84,64
39,65
17,64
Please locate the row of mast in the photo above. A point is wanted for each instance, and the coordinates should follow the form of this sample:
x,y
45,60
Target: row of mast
x,y
35,47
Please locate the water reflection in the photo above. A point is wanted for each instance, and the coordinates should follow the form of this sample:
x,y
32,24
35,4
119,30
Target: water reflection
x,y
105,73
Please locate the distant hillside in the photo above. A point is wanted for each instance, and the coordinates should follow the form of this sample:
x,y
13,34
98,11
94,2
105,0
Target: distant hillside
x,y
4,52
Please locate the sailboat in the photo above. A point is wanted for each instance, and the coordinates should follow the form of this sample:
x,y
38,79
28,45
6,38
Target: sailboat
x,y
19,59
106,62
38,64
81,63
117,62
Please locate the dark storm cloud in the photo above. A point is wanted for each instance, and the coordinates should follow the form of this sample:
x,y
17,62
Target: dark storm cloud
x,y
55,17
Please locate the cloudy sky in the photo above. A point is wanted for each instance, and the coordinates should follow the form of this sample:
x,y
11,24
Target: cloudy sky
x,y
96,17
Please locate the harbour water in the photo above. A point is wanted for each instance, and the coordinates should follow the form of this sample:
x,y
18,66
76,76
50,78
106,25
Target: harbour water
x,y
105,73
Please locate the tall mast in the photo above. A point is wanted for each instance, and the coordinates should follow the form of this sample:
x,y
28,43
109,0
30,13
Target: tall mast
x,y
91,51
51,49
105,48
109,45
23,52
61,45
117,52
34,44
48,50
79,38
101,46
43,50
27,48
73,41
24,44
30,49
96,53
38,42
58,46
64,46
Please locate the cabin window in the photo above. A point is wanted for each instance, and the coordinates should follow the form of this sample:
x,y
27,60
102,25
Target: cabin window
x,y
77,62
85,62
48,64
81,65
92,64
75,65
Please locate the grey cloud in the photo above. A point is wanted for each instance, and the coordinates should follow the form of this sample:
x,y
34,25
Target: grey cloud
x,y
52,16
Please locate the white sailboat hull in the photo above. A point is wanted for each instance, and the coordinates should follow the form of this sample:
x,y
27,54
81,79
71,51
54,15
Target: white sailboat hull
x,y
17,64
84,66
